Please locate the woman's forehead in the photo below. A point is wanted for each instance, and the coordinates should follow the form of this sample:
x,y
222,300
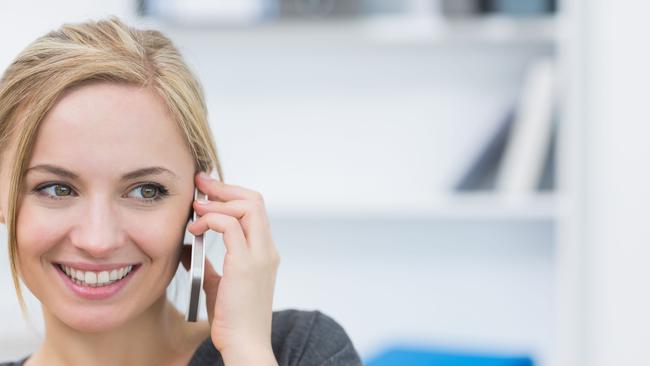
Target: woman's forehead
x,y
108,123
111,128
109,110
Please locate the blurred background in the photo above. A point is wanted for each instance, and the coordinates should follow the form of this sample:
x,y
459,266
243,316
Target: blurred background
x,y
456,182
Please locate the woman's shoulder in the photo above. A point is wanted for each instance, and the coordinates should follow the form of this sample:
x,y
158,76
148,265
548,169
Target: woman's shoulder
x,y
311,338
298,337
310,331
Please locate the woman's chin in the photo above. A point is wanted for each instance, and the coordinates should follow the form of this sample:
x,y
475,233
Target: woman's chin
x,y
94,320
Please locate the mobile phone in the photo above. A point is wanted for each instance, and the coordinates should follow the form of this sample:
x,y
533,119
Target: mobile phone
x,y
196,270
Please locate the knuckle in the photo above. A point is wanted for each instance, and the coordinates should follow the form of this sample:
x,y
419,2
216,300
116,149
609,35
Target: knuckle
x,y
275,255
257,197
274,259
213,218
231,222
256,205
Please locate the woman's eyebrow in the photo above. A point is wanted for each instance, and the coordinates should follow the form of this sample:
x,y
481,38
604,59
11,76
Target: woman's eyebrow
x,y
62,172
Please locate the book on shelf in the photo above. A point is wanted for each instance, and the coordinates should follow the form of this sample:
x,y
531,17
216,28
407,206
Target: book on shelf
x,y
547,180
518,158
482,170
526,150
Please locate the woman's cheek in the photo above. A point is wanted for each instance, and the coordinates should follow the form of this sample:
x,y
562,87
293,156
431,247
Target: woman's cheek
x,y
40,230
38,235
158,236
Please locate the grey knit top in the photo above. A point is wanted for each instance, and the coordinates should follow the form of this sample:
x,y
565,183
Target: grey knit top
x,y
298,338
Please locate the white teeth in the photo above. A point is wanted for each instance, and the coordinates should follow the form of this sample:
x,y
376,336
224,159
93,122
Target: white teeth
x,y
102,278
91,277
96,279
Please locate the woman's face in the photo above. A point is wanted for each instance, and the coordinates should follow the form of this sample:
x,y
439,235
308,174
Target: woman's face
x,y
110,185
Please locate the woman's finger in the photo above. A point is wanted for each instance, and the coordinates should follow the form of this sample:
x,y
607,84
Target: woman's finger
x,y
233,234
220,191
250,214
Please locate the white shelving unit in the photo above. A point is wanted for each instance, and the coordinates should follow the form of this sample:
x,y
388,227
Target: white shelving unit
x,y
388,29
354,131
437,30
282,47
393,29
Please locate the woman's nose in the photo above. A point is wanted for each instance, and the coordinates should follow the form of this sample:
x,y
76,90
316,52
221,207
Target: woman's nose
x,y
98,231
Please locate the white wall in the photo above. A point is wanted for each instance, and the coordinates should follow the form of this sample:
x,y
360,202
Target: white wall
x,y
22,21
617,183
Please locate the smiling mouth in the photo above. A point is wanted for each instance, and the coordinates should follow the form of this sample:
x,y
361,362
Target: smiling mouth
x,y
96,278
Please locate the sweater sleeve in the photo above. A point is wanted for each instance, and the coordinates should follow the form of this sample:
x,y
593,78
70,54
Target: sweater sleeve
x,y
311,338
298,338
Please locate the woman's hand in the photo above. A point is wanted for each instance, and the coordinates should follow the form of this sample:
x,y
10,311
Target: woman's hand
x,y
239,302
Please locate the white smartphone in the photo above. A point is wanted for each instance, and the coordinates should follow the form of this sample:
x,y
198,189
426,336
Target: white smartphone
x,y
196,270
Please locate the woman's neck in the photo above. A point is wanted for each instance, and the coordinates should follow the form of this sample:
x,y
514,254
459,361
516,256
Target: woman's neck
x,y
160,336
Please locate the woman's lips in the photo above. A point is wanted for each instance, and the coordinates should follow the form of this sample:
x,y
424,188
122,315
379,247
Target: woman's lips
x,y
101,292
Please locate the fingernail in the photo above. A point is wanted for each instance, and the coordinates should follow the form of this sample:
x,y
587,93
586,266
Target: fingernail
x,y
204,176
202,201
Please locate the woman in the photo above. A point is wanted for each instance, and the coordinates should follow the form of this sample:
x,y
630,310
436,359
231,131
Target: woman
x,y
103,138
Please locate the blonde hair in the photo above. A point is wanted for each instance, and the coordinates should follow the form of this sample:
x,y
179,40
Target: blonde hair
x,y
106,50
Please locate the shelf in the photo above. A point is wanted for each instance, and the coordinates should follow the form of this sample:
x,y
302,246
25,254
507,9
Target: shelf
x,y
382,30
466,206
485,29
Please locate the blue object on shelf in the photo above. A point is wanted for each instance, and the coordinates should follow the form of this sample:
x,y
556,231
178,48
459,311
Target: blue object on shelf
x,y
403,356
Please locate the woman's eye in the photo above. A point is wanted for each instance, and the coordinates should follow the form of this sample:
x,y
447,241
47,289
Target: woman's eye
x,y
148,192
55,191
151,192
